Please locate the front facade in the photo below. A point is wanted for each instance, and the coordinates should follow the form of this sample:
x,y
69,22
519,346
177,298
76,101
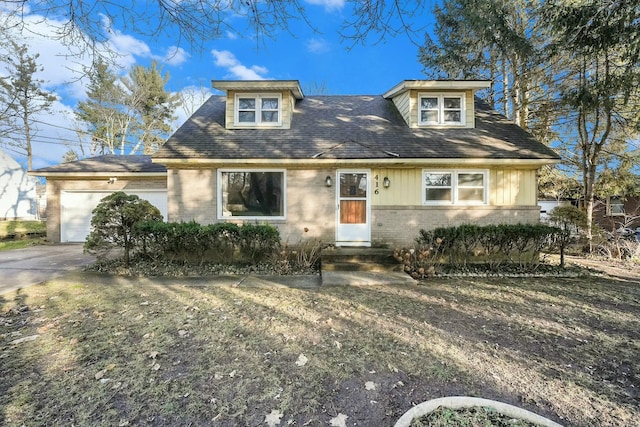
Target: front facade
x,y
352,170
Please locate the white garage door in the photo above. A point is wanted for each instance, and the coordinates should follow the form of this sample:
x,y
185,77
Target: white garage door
x,y
76,207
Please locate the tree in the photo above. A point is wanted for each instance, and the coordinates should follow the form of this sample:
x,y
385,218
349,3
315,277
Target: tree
x,y
152,105
569,219
597,44
114,223
129,113
23,98
199,21
102,112
497,40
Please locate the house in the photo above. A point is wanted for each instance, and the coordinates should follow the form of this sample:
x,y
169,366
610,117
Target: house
x,y
352,170
74,189
17,191
349,170
617,213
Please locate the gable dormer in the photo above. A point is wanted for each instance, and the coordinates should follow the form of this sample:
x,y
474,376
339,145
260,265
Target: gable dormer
x,y
437,103
259,104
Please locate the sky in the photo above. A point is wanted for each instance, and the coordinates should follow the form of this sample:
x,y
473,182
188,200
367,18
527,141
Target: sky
x,y
317,57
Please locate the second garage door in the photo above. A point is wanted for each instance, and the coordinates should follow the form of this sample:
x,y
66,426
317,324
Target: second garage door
x,y
76,207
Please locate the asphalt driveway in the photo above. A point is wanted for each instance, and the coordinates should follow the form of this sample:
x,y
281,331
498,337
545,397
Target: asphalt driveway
x,y
20,268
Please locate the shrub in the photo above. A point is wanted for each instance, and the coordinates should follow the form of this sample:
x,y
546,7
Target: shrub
x,y
570,221
114,224
257,242
494,245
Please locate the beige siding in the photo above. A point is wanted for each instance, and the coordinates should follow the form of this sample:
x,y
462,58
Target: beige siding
x,y
405,188
513,187
507,187
403,104
288,104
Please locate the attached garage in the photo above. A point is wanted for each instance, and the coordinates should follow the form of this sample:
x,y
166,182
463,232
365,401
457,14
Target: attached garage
x,y
76,208
74,189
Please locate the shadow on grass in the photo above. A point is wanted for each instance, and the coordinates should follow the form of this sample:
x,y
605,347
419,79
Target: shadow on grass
x,y
114,350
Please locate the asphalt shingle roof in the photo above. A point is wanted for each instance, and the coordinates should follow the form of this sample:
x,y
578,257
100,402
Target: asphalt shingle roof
x,y
108,163
350,127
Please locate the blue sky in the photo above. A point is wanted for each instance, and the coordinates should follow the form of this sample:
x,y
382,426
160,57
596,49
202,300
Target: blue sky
x,y
314,58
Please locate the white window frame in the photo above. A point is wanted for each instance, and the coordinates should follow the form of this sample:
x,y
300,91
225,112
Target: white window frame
x,y
455,187
610,205
441,110
219,203
258,110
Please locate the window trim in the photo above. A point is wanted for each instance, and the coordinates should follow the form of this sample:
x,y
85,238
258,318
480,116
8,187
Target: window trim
x,y
441,110
222,217
455,187
258,109
609,210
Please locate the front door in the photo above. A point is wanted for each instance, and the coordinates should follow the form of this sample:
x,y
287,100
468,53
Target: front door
x,y
353,218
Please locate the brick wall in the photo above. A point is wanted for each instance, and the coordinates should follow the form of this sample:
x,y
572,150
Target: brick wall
x,y
396,226
192,195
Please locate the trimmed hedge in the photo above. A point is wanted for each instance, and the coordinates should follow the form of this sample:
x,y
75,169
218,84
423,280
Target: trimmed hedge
x,y
493,245
222,242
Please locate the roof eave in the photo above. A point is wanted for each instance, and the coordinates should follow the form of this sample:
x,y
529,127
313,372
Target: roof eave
x,y
385,161
253,85
406,85
103,174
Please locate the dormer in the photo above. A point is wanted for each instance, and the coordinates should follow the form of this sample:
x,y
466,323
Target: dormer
x,y
437,103
259,104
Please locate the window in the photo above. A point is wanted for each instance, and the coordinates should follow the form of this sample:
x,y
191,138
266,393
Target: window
x,y
258,109
451,187
441,109
615,206
251,194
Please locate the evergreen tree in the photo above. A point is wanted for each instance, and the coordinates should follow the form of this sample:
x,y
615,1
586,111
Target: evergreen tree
x,y
22,97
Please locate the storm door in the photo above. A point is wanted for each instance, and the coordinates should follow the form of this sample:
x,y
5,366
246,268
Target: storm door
x,y
354,211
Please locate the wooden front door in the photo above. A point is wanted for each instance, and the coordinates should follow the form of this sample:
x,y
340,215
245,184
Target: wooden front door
x,y
353,217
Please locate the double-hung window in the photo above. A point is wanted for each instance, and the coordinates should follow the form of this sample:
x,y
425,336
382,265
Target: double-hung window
x,y
251,194
441,109
455,187
258,109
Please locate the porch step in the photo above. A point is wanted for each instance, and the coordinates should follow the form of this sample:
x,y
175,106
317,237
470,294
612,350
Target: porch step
x,y
359,259
361,266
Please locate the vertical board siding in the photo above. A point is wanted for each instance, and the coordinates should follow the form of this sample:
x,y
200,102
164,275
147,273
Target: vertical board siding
x,y
507,187
403,104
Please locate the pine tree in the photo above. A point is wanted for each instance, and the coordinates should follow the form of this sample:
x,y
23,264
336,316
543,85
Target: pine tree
x,y
23,98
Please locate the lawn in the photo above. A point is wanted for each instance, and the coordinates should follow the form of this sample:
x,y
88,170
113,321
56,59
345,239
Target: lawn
x,y
112,351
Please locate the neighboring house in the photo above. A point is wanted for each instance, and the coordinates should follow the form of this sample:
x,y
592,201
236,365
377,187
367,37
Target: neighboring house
x,y
617,213
17,190
349,170
74,189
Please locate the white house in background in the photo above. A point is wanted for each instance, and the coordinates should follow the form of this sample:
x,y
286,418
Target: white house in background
x,y
17,190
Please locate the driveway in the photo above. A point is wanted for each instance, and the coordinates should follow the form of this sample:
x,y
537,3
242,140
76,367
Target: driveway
x,y
20,268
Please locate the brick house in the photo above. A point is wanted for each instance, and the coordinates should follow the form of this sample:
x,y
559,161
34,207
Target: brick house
x,y
351,170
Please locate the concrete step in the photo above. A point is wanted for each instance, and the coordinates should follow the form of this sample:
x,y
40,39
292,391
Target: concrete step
x,y
361,266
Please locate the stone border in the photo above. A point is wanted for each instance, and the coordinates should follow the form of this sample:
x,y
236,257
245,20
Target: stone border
x,y
459,402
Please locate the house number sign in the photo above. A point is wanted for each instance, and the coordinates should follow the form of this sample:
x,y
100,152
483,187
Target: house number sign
x,y
377,184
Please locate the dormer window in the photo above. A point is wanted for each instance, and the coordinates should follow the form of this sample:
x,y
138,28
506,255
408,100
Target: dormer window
x,y
258,109
441,109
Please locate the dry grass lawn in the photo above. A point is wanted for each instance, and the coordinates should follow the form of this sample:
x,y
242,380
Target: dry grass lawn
x,y
93,350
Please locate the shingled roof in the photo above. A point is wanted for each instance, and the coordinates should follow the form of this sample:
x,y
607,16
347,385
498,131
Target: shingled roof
x,y
109,163
349,127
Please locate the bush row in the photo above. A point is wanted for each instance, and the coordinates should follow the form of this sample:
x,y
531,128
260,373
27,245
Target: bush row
x,y
492,245
222,242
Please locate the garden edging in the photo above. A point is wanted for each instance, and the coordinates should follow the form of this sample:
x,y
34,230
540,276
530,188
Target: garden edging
x,y
459,402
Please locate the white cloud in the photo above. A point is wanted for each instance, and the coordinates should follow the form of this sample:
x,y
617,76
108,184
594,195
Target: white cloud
x,y
175,56
226,59
318,46
329,5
